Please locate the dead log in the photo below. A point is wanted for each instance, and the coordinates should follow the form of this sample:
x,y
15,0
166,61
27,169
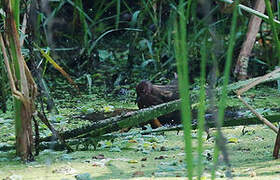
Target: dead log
x,y
116,123
229,122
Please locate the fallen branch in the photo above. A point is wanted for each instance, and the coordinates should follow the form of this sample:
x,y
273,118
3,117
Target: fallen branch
x,y
119,122
251,85
239,84
54,132
229,122
259,116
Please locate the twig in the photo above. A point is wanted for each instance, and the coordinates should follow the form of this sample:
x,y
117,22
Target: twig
x,y
253,84
264,120
55,133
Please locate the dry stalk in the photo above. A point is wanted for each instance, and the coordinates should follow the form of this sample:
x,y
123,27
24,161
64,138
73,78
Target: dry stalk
x,y
251,85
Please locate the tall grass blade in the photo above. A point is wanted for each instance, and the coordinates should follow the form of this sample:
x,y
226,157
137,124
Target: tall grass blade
x,y
182,68
79,6
107,32
81,11
54,12
16,11
278,8
223,98
273,27
148,7
201,110
118,13
189,3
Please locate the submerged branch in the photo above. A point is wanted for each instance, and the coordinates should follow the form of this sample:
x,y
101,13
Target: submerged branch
x,y
116,123
227,123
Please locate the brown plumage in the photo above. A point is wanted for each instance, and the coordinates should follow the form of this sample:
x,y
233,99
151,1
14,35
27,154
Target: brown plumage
x,y
150,95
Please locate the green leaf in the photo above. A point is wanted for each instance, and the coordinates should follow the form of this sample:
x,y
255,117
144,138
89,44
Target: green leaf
x,y
134,19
